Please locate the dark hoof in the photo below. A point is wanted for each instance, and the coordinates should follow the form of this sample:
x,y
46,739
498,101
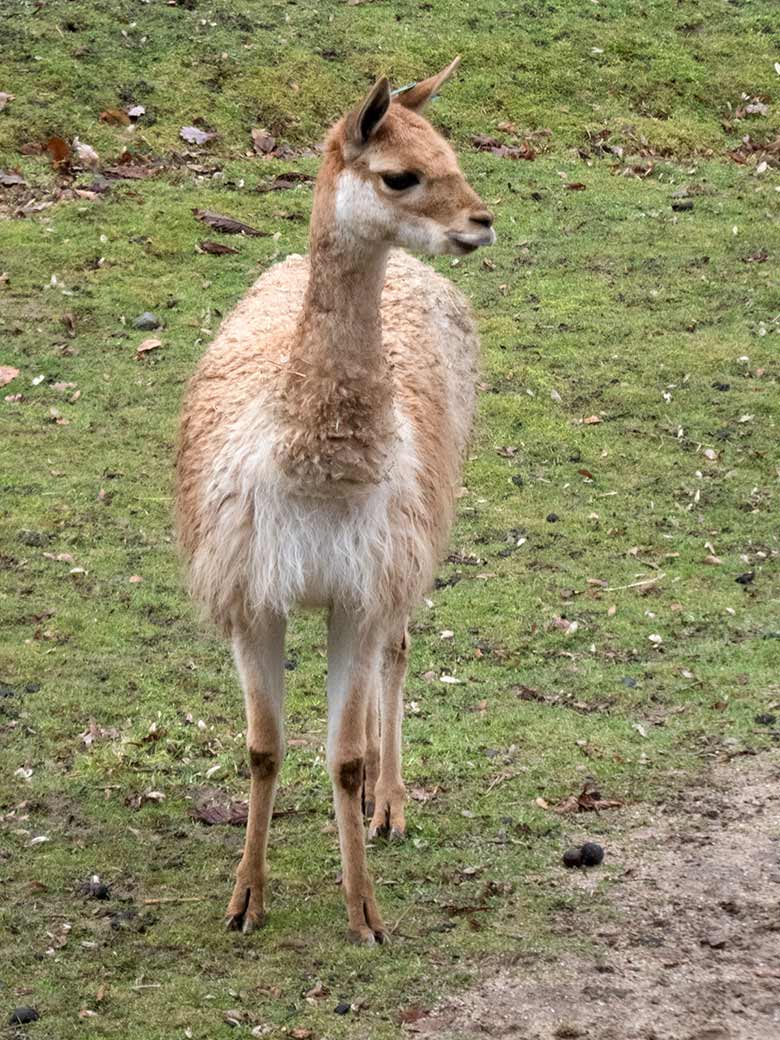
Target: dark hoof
x,y
245,923
246,919
365,937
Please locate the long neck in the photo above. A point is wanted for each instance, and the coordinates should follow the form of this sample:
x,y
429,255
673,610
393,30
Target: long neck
x,y
338,394
340,331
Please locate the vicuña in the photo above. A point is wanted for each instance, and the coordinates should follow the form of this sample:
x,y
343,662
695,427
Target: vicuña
x,y
321,444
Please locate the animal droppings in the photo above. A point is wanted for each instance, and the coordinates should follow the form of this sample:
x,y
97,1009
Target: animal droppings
x,y
21,1016
588,855
591,854
572,858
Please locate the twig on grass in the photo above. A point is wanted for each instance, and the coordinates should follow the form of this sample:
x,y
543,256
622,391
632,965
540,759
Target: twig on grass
x,y
635,584
394,928
173,899
500,779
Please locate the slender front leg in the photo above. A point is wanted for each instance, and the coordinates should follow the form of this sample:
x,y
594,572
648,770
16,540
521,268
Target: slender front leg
x,y
353,665
259,656
390,794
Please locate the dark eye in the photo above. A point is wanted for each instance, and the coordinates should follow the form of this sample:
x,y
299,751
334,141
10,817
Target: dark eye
x,y
400,181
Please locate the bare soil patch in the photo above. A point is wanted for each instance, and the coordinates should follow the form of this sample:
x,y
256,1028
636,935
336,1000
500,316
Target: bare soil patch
x,y
691,950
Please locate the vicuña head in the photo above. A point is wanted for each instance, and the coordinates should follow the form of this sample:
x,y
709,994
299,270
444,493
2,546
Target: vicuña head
x,y
390,178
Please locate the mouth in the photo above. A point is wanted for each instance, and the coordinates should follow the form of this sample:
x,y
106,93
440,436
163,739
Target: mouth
x,y
469,242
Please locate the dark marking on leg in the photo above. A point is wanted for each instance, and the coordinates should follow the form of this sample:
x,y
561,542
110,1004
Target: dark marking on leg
x,y
263,764
398,649
351,775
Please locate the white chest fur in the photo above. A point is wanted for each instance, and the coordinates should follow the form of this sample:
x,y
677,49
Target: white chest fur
x,y
284,548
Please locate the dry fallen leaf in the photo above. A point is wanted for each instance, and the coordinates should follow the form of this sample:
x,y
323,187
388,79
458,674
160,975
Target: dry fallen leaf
x,y
85,154
59,150
128,171
7,373
485,143
139,800
588,800
263,142
5,98
194,135
566,626
95,732
114,117
227,225
215,248
411,1014
754,107
285,181
146,347
213,812
423,794
11,179
761,255
592,420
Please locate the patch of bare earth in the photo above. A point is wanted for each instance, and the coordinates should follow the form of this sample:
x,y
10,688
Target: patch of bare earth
x,y
691,950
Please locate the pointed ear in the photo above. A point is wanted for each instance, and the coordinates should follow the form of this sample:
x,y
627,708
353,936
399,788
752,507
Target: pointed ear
x,y
366,119
420,94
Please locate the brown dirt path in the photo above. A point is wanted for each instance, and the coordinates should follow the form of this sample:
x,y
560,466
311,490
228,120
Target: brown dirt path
x,y
691,950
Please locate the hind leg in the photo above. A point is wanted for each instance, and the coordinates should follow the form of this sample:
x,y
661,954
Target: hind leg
x,y
371,772
390,795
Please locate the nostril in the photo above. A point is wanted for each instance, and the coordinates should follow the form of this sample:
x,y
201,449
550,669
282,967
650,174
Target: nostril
x,y
484,217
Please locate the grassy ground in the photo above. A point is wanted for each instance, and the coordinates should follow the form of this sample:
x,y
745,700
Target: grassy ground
x,y
606,303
